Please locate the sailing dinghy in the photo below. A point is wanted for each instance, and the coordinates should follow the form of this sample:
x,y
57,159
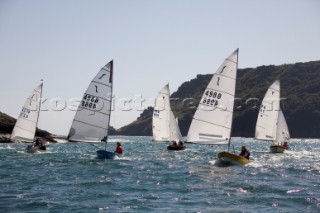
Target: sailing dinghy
x,y
211,123
91,121
271,124
165,127
25,128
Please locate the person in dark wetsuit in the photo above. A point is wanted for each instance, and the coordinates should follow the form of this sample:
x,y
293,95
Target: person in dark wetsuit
x,y
245,152
119,148
174,143
37,142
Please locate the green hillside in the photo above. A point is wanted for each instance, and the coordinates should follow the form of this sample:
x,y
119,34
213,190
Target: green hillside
x,y
300,86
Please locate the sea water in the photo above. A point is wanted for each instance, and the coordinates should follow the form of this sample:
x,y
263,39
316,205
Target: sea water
x,y
148,178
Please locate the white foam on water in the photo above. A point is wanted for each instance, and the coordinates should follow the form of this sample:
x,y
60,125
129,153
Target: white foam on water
x,y
294,191
212,162
9,147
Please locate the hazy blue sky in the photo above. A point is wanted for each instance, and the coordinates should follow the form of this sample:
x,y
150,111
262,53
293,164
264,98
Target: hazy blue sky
x,y
152,42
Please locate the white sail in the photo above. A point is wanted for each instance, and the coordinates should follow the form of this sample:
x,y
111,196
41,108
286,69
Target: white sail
x,y
175,134
266,126
211,123
282,130
164,125
26,125
91,121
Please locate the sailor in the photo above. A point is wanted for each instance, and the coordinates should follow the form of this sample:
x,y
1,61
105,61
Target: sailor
x,y
37,143
245,152
119,148
180,143
174,143
285,145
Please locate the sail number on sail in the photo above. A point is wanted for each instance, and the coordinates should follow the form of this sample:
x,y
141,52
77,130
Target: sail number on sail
x,y
89,101
24,112
211,98
156,113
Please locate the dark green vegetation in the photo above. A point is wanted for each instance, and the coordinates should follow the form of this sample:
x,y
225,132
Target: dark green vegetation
x,y
300,86
7,123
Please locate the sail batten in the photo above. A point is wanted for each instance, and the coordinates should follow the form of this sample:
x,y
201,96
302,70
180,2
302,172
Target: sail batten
x,y
101,83
212,123
101,127
91,121
215,110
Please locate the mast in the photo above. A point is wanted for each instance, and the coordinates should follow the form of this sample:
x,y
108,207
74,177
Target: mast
x,y
110,80
233,100
168,110
38,110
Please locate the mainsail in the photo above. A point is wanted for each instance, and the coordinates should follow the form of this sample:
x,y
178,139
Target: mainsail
x,y
266,126
91,121
211,123
26,125
164,125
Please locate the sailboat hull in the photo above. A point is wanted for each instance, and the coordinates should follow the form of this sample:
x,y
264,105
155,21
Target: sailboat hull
x,y
175,147
228,157
83,141
32,149
103,154
277,149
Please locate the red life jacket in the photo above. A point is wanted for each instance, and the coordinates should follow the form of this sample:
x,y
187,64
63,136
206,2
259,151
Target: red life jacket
x,y
119,150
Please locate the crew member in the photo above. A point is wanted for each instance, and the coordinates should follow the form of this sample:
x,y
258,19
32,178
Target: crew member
x,y
119,148
245,152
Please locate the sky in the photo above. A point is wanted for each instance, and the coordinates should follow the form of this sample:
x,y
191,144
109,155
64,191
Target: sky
x,y
152,43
